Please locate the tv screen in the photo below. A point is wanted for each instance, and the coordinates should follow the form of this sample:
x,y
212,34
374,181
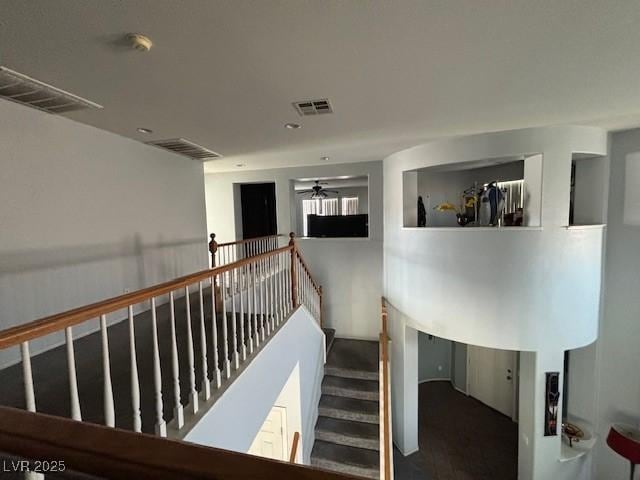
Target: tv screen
x,y
337,225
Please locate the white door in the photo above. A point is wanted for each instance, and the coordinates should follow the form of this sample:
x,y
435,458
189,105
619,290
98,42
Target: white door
x,y
271,441
491,377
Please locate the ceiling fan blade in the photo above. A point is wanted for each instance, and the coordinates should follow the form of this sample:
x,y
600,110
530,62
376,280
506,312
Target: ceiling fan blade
x,y
304,191
330,191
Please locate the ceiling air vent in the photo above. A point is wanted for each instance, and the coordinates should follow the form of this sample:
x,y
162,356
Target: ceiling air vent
x,y
186,148
20,88
313,107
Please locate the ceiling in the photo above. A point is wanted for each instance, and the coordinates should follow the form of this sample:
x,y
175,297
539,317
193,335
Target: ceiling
x,y
223,74
331,182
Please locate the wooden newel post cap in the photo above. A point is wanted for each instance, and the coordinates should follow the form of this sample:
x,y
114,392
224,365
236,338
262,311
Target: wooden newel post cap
x,y
291,238
213,245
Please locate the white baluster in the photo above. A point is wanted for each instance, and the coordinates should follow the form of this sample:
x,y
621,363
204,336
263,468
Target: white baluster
x,y
272,291
73,379
243,347
250,308
161,426
225,334
262,304
267,295
109,411
29,394
263,301
256,337
214,330
206,384
234,323
135,382
178,411
193,393
257,295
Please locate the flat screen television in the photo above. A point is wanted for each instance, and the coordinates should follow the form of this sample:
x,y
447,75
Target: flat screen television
x,y
337,225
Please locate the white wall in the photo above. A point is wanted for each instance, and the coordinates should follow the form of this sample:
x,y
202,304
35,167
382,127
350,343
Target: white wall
x,y
85,214
349,270
434,358
236,417
498,288
618,347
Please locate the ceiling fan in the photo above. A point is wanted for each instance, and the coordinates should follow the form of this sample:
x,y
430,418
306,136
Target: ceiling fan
x,y
318,191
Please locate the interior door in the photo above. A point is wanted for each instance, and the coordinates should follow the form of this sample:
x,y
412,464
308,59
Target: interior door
x,y
258,203
491,377
271,441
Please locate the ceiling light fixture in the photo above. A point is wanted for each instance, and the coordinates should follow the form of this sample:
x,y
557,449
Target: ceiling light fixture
x,y
324,158
239,164
292,126
144,130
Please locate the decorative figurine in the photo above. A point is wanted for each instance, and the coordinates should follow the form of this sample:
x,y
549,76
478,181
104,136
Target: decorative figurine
x,y
422,213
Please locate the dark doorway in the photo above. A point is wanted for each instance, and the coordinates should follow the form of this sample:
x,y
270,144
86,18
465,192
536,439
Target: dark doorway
x,y
258,203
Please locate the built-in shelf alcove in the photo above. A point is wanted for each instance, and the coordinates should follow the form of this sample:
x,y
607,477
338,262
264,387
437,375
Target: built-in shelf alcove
x,y
452,194
588,202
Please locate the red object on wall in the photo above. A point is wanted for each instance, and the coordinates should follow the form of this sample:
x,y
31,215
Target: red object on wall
x,y
625,441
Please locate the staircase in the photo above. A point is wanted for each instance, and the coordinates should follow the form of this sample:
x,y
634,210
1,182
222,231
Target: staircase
x,y
347,432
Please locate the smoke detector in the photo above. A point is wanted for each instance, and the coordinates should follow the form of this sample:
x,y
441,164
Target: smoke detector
x,y
140,42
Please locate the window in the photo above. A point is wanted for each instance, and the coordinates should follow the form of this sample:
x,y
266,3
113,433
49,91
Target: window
x,y
309,207
329,206
349,205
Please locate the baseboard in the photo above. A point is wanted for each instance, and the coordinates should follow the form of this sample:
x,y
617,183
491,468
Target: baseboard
x,y
435,380
459,390
355,337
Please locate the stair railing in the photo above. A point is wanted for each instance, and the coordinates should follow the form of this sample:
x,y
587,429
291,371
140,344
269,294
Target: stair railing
x,y
58,445
241,304
386,442
229,252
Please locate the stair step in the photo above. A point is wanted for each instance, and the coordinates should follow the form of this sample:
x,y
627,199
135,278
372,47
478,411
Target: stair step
x,y
350,387
354,354
349,433
349,373
348,409
344,459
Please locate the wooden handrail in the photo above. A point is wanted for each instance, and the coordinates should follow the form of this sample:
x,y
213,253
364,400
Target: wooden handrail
x,y
294,447
385,443
247,240
53,323
115,454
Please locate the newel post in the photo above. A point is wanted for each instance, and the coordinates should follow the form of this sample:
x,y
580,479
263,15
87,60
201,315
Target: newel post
x,y
294,284
213,248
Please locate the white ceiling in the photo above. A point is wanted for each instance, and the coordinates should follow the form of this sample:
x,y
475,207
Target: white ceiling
x,y
331,182
224,73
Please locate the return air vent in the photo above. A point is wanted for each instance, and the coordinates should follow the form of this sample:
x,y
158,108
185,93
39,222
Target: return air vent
x,y
186,148
20,88
313,107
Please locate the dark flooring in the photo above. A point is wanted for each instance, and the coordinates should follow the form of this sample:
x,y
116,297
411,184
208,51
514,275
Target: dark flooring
x,y
50,372
460,439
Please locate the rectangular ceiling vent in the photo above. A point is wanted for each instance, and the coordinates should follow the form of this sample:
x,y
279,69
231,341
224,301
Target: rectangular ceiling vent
x,y
28,91
186,148
313,107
